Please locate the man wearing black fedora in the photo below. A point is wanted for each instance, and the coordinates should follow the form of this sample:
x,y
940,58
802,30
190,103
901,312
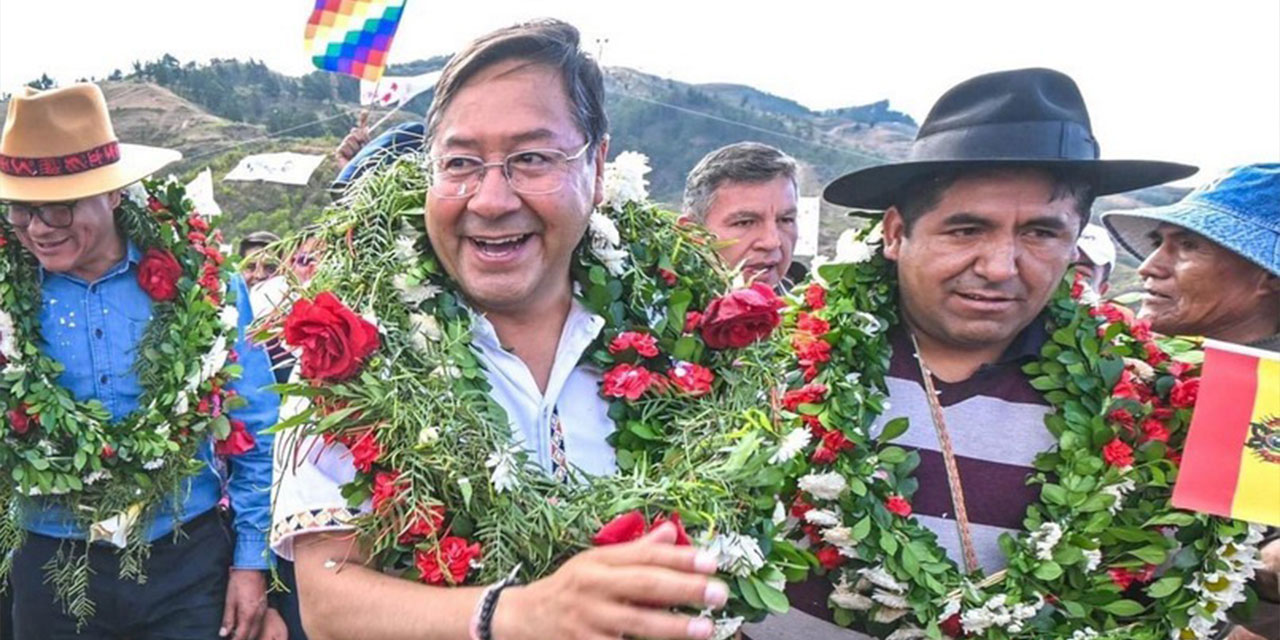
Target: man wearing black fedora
x,y
981,223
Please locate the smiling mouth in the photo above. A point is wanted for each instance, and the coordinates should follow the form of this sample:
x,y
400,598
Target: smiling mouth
x,y
499,247
980,297
49,246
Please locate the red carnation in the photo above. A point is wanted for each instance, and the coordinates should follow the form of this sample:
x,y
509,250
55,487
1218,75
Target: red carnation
x,y
1154,354
740,318
214,255
643,344
829,557
1117,453
21,421
1140,329
198,223
627,381
624,528
448,563
799,507
385,488
812,325
108,451
832,443
823,455
1184,392
1130,388
682,537
693,379
815,296
692,320
898,505
154,204
334,340
815,425
364,452
1178,368
1121,577
158,275
668,276
952,626
237,442
812,532
808,394
1153,429
424,526
811,352
1122,417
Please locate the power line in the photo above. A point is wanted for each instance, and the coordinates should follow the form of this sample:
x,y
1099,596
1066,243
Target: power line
x,y
277,134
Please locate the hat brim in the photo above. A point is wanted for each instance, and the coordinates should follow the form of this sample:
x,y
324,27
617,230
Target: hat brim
x,y
874,189
1243,237
136,162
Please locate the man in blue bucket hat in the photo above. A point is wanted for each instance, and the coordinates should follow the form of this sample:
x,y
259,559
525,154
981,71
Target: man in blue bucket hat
x,y
1211,263
1211,267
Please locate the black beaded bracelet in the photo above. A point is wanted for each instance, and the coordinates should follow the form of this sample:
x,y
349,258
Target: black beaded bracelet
x,y
489,605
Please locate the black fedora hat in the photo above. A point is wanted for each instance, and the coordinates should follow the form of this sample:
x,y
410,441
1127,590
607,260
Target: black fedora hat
x,y
1026,117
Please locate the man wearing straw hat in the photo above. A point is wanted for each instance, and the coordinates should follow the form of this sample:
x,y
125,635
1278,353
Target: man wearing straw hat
x,y
62,177
981,223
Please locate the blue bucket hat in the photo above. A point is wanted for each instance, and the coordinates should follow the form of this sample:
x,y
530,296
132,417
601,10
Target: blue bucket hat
x,y
1239,211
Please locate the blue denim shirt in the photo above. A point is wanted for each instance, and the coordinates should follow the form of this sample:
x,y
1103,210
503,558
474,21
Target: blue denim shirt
x,y
92,329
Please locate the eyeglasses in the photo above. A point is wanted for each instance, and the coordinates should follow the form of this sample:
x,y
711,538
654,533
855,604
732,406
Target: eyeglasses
x,y
58,215
530,172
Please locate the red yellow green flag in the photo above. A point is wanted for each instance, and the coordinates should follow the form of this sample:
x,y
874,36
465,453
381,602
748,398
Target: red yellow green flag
x,y
1231,464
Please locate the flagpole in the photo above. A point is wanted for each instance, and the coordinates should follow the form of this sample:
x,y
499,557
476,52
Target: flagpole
x,y
384,118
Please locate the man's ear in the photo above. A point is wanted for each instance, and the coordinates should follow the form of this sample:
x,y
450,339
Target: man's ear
x,y
113,198
895,233
601,154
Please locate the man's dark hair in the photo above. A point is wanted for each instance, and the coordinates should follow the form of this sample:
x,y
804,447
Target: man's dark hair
x,y
256,240
741,162
550,42
922,194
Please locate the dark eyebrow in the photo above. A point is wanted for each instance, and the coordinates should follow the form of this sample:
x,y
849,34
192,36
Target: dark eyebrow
x,y
966,219
532,135
1047,222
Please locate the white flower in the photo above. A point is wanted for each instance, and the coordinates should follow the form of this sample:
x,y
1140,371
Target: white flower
x,y
406,250
423,327
213,360
1118,491
822,517
824,486
624,180
726,628
792,444
1045,538
850,250
737,554
47,447
908,633
503,464
1093,558
152,465
229,317
850,600
888,599
8,335
838,536
881,578
413,294
876,236
604,242
1084,634
137,194
779,513
97,476
885,615
428,436
445,372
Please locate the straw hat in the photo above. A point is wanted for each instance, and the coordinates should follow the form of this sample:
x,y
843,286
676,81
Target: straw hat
x,y
59,145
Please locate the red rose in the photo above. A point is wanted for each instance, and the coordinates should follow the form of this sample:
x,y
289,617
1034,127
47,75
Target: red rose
x,y
198,223
833,441
1130,388
627,381
1184,392
898,505
692,320
21,421
1122,417
364,452
334,341
1121,577
108,451
1155,355
1117,453
799,507
815,296
682,538
385,488
812,532
448,563
1154,430
693,379
952,626
812,325
808,394
624,528
829,557
823,455
424,526
740,318
641,343
667,276
155,205
237,442
1077,288
214,255
158,275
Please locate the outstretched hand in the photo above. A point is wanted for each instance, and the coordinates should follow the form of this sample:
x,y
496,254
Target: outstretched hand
x,y
598,594
355,140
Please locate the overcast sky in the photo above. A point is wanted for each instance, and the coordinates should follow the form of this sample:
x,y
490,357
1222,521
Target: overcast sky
x,y
1195,82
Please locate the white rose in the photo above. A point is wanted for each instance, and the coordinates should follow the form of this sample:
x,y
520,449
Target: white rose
x,y
824,486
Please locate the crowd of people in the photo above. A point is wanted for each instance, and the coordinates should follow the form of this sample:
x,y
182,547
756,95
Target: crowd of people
x,y
980,222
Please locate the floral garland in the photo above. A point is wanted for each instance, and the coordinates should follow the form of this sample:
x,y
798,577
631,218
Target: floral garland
x,y
112,474
1104,553
453,502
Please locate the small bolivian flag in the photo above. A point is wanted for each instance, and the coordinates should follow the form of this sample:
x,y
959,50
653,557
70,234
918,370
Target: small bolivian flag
x,y
353,36
1231,463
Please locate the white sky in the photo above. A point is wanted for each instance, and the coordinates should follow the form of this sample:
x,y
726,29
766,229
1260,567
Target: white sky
x,y
1196,82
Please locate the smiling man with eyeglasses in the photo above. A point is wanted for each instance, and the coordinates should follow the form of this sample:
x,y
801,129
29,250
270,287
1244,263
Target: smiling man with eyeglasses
x,y
517,144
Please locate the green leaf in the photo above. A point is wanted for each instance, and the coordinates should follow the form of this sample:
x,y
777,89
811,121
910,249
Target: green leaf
x,y
749,593
893,429
888,543
1123,608
775,601
1164,586
1151,554
1174,518
861,529
1048,571
892,455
